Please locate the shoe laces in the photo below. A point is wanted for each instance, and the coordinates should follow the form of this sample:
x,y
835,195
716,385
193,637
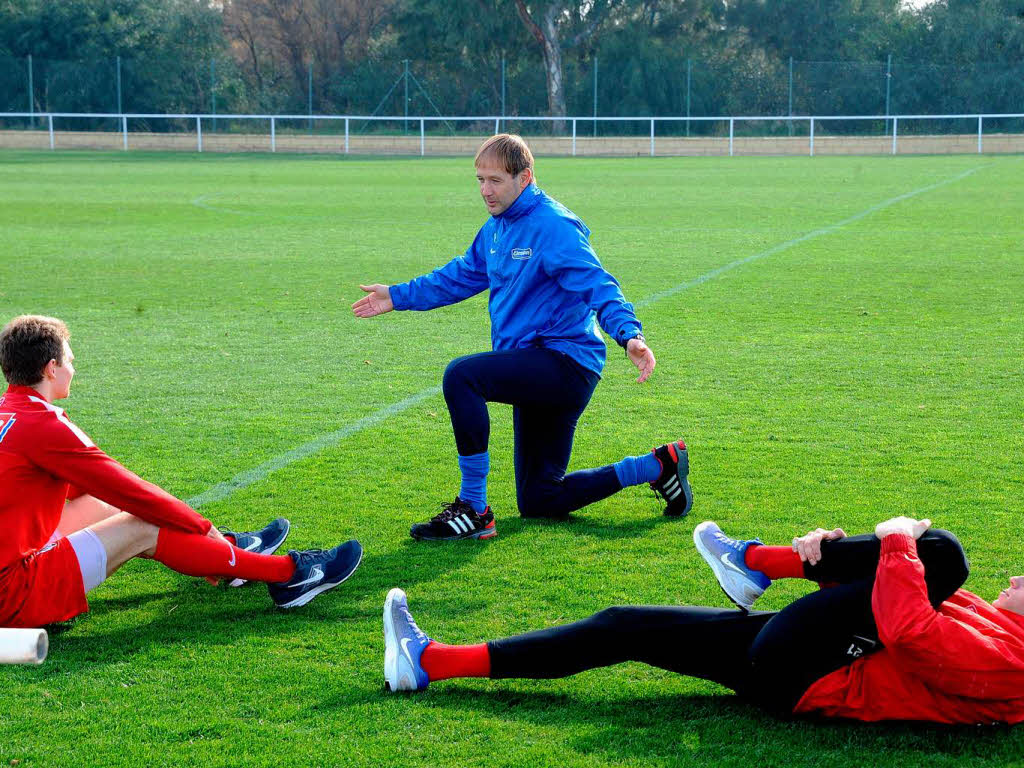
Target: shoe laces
x,y
307,556
452,509
420,634
739,546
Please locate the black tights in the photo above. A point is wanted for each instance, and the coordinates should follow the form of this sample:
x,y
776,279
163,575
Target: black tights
x,y
770,657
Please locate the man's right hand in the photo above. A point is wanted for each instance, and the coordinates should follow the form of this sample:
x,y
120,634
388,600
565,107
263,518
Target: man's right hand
x,y
809,545
377,303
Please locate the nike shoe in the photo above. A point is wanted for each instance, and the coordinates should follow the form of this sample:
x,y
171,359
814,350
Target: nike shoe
x,y
456,520
672,483
316,571
263,542
741,584
404,643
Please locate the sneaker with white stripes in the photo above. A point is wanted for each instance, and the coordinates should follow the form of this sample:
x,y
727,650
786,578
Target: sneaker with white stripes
x,y
672,483
457,520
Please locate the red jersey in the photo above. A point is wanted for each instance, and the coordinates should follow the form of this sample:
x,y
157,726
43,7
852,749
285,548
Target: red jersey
x,y
962,663
45,459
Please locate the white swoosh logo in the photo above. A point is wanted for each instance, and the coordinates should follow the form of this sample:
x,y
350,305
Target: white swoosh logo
x,y
231,559
317,574
405,650
256,544
730,564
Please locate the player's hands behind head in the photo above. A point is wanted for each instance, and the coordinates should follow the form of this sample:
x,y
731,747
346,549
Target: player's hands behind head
x,y
377,303
908,526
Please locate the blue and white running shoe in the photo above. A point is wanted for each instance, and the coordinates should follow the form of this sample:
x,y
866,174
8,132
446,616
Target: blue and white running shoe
x,y
403,645
262,542
316,571
741,584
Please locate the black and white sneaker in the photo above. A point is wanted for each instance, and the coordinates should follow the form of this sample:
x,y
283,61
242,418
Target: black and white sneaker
x,y
264,542
457,520
316,571
672,483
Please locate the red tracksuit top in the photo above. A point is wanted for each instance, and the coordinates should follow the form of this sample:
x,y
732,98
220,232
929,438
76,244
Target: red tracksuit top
x,y
45,459
962,663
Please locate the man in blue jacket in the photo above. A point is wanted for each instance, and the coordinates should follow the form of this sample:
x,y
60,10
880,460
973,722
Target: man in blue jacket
x,y
548,295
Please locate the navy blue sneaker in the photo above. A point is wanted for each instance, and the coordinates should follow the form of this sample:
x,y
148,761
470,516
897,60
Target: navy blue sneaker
x,y
672,483
264,542
403,646
316,571
741,584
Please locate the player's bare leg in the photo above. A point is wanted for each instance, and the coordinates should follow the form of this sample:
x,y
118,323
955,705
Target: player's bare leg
x,y
82,512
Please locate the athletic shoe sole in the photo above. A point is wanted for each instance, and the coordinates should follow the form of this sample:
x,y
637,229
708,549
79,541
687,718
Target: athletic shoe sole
x,y
726,579
483,533
391,652
320,588
265,551
682,477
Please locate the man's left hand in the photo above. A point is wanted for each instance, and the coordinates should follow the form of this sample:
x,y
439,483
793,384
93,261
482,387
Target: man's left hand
x,y
642,357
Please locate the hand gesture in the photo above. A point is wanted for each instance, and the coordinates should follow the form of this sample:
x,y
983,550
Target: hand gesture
x,y
377,303
808,546
642,357
905,525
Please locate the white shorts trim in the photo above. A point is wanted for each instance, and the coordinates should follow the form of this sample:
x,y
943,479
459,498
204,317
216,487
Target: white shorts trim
x,y
92,558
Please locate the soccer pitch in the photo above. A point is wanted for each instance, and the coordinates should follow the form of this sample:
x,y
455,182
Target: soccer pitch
x,y
838,339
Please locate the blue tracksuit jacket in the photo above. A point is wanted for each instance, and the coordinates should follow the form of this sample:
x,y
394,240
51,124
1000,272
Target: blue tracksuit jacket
x,y
547,286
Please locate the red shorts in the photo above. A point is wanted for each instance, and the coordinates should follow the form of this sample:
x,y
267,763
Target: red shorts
x,y
44,588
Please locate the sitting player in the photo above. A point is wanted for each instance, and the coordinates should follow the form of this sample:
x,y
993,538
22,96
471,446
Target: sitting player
x,y
71,515
894,639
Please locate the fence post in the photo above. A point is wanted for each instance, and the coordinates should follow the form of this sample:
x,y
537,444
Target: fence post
x,y
423,145
689,68
652,137
273,135
346,135
574,136
731,122
979,134
812,137
199,134
31,90
496,129
49,119
790,95
895,120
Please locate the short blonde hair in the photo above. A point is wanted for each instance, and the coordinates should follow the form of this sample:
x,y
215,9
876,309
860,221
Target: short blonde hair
x,y
509,150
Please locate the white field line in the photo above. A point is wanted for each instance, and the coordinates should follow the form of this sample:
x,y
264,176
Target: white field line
x,y
329,440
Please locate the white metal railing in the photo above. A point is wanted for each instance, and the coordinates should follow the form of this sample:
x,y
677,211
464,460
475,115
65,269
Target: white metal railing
x,y
894,120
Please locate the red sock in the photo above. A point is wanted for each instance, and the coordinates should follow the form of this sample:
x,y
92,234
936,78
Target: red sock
x,y
441,661
774,562
196,555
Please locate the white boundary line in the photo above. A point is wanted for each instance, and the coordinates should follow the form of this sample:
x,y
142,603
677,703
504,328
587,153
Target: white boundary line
x,y
250,476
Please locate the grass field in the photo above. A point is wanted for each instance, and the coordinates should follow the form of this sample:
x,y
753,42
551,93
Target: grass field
x,y
864,361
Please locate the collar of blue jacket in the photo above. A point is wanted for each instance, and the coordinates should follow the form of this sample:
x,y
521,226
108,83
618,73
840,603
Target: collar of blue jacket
x,y
528,199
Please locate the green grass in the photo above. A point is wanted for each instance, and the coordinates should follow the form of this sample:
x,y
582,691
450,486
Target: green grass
x,y
870,371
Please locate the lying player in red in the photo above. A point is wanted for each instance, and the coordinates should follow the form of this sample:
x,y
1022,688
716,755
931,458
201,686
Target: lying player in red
x,y
895,638
71,515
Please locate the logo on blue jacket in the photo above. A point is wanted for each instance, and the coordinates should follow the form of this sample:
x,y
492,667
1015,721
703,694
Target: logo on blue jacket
x,y
522,253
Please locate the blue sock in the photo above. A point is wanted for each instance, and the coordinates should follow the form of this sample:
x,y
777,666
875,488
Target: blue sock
x,y
635,470
474,480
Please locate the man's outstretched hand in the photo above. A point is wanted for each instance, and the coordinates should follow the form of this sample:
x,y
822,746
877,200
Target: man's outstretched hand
x,y
377,303
642,357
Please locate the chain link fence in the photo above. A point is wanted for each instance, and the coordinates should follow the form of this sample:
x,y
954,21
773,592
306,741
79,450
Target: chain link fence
x,y
658,87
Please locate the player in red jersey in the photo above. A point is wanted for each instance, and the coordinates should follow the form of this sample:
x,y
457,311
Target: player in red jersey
x,y
71,515
892,638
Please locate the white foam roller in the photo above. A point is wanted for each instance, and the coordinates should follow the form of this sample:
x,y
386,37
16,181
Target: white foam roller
x,y
23,646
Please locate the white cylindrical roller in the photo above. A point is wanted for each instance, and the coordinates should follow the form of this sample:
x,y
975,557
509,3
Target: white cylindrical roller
x,y
23,646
